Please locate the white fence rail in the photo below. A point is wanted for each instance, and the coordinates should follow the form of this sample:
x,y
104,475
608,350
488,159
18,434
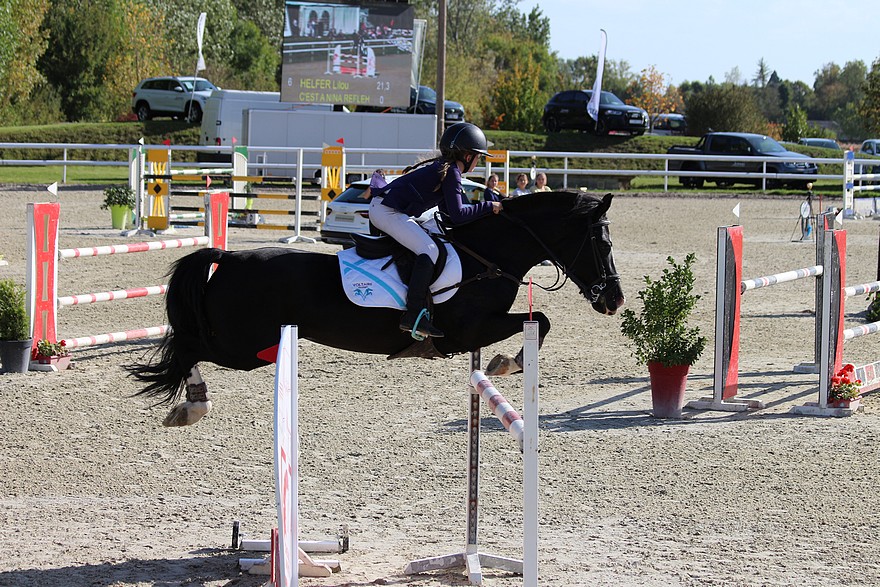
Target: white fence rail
x,y
359,162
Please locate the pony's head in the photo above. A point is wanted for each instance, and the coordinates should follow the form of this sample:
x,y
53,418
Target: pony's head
x,y
572,230
593,269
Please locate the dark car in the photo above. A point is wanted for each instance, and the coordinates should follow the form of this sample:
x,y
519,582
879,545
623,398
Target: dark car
x,y
669,125
425,102
569,110
744,146
824,143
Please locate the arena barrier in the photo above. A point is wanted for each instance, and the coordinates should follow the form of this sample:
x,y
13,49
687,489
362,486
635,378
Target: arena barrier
x,y
525,431
287,553
834,333
43,256
729,289
161,214
852,182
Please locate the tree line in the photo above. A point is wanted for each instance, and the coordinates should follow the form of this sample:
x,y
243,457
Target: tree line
x,y
79,60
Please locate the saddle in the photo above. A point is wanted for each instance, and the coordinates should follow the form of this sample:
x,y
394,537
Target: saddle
x,y
381,246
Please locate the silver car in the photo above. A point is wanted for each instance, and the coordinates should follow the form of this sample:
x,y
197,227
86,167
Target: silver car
x,y
349,212
177,97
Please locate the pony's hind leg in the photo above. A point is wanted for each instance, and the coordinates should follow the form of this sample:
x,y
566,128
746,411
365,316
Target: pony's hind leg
x,y
197,402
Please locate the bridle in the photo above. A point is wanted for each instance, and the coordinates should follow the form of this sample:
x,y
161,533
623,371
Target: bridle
x,y
592,292
597,287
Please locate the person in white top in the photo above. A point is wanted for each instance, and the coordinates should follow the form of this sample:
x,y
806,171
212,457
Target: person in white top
x,y
522,183
541,183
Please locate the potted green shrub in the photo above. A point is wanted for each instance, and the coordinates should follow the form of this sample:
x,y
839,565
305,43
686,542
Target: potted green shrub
x,y
660,336
120,200
15,340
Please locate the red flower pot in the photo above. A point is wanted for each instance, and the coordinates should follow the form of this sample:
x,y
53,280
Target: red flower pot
x,y
667,389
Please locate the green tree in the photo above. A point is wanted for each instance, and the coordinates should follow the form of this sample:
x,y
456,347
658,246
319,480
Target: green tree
x,y
835,87
253,60
724,107
22,42
267,15
517,98
869,106
141,54
181,19
795,126
84,37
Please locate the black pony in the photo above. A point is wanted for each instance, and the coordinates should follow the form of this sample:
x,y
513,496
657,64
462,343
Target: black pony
x,y
271,287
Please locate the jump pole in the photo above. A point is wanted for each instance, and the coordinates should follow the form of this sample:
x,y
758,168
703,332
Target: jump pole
x,y
44,254
287,560
729,289
525,428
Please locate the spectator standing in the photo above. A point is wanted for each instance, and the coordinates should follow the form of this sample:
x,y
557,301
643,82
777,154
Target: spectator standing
x,y
522,183
541,183
491,193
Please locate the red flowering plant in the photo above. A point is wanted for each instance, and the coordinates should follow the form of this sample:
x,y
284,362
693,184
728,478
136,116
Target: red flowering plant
x,y
46,349
844,385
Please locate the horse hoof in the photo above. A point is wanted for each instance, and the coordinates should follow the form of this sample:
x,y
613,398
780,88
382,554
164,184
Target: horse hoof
x,y
502,365
186,414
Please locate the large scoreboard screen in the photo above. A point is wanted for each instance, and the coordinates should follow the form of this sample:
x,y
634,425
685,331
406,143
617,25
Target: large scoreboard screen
x,y
347,53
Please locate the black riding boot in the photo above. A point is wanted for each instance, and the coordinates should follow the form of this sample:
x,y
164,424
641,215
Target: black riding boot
x,y
416,297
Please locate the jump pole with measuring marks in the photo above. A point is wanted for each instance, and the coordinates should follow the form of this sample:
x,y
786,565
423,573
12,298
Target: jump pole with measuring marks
x,y
525,431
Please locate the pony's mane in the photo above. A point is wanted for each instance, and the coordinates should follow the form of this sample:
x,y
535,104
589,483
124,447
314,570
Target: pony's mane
x,y
561,204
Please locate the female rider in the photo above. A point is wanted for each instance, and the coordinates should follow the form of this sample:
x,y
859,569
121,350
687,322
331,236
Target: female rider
x,y
435,182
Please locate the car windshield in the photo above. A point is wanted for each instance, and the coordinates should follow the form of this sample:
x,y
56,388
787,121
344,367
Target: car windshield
x,y
427,94
766,145
352,195
610,99
202,85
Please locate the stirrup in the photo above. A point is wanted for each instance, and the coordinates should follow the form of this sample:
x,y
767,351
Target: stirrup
x,y
414,331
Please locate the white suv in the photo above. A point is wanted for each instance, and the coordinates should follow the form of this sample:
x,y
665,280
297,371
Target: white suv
x,y
177,97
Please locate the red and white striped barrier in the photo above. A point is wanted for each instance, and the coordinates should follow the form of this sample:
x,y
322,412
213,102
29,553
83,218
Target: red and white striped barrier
x,y
43,256
502,409
525,430
110,296
834,334
177,243
729,289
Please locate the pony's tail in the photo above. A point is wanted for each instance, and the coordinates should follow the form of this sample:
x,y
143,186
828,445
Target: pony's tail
x,y
181,348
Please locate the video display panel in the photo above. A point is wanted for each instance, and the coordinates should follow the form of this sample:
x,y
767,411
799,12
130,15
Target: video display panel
x,y
347,53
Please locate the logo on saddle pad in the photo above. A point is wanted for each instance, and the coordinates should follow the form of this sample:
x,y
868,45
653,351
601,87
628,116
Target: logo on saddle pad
x,y
367,284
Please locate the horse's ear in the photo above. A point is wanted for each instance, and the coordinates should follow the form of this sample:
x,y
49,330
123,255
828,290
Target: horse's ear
x,y
604,205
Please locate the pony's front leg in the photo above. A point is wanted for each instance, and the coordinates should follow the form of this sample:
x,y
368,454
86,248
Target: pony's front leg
x,y
506,364
197,402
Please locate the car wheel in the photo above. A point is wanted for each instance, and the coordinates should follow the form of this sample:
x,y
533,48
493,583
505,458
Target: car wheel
x,y
143,111
551,124
601,128
692,182
194,113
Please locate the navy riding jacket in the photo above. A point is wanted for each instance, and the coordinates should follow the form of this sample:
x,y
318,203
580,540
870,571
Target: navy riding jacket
x,y
418,191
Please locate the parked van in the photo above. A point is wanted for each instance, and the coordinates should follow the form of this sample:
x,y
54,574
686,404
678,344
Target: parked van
x,y
224,114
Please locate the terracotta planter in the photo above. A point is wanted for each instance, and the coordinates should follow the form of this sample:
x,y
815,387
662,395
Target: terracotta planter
x,y
667,389
61,363
846,403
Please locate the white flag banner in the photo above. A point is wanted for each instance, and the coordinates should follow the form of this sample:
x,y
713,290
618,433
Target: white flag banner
x,y
200,34
593,105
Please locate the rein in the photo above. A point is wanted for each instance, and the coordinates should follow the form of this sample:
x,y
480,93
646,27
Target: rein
x,y
493,271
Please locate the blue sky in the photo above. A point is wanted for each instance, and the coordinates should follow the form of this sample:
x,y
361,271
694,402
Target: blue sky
x,y
689,40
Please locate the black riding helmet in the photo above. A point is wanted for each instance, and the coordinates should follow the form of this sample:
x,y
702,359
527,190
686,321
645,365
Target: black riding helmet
x,y
463,138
